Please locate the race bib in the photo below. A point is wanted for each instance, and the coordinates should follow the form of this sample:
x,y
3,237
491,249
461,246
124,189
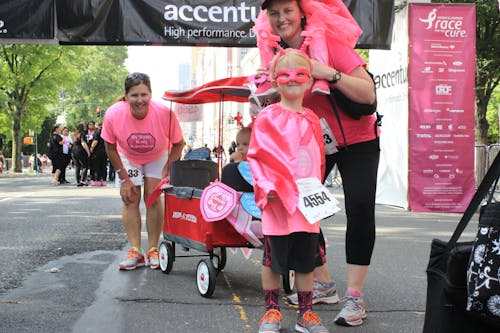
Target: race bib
x,y
329,139
134,172
315,200
136,175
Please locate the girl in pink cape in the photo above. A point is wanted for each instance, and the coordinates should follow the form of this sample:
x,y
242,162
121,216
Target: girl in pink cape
x,y
327,20
286,145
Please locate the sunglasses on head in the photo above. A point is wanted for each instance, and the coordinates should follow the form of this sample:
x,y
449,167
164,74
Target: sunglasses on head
x,y
140,76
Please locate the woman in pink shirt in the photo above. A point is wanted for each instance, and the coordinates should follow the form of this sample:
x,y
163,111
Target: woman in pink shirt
x,y
142,138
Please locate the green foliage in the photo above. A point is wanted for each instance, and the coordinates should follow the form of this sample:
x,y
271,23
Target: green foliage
x,y
487,64
33,77
101,83
492,116
364,54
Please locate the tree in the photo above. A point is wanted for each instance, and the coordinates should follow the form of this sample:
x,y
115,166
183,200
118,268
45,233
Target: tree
x,y
487,59
101,83
31,77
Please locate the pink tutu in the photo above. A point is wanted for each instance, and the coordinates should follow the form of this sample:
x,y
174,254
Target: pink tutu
x,y
332,16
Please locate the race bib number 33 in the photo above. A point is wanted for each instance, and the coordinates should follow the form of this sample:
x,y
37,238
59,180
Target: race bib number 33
x,y
315,200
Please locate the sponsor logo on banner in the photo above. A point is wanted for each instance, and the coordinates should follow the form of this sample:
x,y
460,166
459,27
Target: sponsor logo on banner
x,y
203,16
3,29
441,106
449,26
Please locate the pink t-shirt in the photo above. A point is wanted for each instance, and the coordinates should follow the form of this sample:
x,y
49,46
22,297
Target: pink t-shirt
x,y
144,140
344,59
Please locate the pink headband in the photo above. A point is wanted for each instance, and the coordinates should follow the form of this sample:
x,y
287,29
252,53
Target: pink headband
x,y
281,53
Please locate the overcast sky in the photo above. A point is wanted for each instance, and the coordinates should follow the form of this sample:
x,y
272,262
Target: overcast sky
x,y
160,63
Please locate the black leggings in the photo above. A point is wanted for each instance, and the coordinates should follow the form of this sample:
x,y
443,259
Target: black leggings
x,y
99,163
358,166
81,160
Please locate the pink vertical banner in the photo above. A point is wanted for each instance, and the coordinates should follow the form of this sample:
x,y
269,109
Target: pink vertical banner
x,y
441,82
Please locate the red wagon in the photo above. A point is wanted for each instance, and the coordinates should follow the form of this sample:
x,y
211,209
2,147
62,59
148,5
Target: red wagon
x,y
185,223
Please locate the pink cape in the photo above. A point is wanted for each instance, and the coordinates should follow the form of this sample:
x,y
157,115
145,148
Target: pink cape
x,y
272,153
330,15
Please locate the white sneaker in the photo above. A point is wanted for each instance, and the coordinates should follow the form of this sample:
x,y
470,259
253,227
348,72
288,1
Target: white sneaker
x,y
323,293
353,313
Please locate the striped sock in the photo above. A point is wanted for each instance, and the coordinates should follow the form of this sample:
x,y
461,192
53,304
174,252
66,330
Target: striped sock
x,y
271,299
305,301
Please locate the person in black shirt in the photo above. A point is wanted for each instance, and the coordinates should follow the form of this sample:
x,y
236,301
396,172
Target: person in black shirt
x,y
100,159
56,152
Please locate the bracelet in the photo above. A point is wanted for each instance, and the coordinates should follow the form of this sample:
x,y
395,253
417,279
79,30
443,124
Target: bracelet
x,y
118,170
124,180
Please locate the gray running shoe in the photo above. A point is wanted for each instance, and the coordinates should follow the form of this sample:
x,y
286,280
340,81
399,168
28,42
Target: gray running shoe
x,y
309,322
323,293
134,259
353,313
152,259
270,322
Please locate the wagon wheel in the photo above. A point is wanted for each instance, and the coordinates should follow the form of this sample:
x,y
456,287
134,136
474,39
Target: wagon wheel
x,y
288,281
166,257
205,277
219,258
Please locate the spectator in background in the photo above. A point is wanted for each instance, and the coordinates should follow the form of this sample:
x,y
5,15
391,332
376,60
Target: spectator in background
x,y
66,155
81,153
111,170
99,158
21,157
2,161
231,150
89,137
219,152
55,152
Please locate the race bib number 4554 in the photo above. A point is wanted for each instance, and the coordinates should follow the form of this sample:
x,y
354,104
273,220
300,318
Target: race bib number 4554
x,y
315,200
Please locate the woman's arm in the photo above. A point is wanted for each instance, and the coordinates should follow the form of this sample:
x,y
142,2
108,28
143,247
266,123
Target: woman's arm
x,y
358,86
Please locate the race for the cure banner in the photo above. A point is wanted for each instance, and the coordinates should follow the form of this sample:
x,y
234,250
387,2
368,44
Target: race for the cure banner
x,y
193,22
441,97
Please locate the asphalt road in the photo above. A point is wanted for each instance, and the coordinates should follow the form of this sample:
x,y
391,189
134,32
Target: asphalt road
x,y
61,247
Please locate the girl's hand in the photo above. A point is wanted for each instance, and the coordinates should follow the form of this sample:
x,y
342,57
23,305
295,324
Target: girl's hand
x,y
261,71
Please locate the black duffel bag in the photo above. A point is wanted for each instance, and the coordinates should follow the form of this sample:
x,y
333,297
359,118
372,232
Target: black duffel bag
x,y
447,274
483,274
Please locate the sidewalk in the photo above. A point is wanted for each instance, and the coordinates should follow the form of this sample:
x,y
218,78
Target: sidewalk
x,y
26,173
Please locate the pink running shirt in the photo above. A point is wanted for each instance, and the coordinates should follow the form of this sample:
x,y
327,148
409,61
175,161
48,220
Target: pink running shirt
x,y
144,140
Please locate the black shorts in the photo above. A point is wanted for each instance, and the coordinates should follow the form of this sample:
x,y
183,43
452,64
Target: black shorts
x,y
296,251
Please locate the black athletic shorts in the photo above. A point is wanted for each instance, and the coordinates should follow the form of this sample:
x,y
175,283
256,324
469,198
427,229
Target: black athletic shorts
x,y
296,251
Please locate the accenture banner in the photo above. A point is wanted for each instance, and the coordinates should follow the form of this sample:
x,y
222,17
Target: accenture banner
x,y
26,19
193,22
442,41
